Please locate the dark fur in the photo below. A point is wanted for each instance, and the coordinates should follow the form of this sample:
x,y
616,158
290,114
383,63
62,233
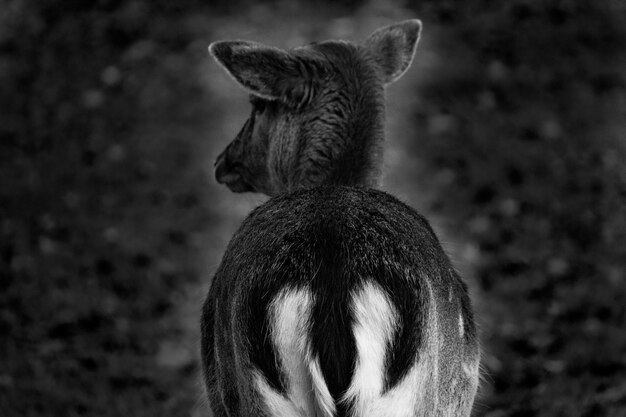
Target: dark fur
x,y
322,117
317,127
332,240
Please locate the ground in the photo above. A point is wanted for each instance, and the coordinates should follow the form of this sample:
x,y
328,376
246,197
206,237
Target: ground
x,y
508,133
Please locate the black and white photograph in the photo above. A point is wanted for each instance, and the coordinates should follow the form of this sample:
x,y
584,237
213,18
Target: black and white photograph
x,y
351,208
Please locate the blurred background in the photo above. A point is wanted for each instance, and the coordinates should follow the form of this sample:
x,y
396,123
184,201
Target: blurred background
x,y
508,133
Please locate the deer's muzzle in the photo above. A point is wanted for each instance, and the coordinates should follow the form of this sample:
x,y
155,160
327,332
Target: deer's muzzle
x,y
230,174
229,165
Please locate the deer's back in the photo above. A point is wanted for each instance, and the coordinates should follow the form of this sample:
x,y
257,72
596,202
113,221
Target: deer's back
x,y
331,246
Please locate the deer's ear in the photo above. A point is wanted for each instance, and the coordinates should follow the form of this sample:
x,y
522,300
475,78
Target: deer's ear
x,y
393,47
267,72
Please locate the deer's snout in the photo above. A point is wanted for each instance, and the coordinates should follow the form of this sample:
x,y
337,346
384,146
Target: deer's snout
x,y
230,164
228,174
225,173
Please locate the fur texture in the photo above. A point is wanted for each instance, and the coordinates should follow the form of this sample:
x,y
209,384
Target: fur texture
x,y
317,111
331,299
334,302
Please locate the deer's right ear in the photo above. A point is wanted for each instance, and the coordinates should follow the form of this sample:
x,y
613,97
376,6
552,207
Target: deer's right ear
x,y
393,47
264,71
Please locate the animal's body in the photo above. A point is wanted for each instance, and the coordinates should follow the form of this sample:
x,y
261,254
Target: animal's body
x,y
332,299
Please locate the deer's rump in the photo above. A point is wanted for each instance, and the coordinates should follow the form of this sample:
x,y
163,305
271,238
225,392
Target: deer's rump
x,y
330,303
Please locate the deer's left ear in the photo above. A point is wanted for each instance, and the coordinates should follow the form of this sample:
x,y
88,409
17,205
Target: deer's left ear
x,y
264,71
393,47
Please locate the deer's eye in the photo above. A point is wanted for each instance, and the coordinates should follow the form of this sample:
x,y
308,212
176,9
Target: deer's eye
x,y
258,104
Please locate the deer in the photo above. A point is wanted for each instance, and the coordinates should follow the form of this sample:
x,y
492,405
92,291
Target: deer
x,y
333,298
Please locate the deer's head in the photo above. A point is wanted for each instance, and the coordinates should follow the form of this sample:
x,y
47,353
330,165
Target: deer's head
x,y
317,111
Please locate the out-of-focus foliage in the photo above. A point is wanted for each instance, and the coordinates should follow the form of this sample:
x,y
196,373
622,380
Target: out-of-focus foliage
x,y
524,131
509,132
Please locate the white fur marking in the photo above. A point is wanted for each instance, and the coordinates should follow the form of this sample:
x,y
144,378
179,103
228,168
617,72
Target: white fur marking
x,y
375,321
290,315
461,325
470,370
307,392
324,400
277,404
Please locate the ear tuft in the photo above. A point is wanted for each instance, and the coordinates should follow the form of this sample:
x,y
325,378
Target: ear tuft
x,y
393,47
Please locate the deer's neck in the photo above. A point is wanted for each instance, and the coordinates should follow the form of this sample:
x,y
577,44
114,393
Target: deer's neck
x,y
338,150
